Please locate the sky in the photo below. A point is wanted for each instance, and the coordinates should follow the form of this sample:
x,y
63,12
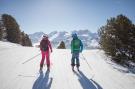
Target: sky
x,y
65,15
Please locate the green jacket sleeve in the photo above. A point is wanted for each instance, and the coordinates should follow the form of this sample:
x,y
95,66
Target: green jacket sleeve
x,y
81,45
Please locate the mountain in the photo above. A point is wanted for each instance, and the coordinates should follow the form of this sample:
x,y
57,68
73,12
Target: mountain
x,y
89,39
35,37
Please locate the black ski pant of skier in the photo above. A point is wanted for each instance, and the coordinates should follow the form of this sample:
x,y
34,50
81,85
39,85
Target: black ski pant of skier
x,y
75,58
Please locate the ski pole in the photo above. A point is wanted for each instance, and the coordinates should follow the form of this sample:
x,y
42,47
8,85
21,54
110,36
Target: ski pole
x,y
86,61
31,58
88,65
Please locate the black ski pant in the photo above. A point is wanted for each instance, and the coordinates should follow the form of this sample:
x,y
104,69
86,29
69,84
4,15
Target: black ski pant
x,y
75,58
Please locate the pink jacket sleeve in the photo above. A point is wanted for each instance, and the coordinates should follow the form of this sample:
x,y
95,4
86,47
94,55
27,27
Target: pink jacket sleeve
x,y
50,46
40,45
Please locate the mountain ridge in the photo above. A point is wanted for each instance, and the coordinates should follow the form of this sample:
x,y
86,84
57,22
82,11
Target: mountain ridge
x,y
89,39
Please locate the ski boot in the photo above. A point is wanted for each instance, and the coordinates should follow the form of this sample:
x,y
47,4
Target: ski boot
x,y
41,67
77,66
48,67
73,68
40,70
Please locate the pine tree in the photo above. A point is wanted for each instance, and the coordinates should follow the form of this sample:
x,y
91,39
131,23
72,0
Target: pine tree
x,y
28,41
62,45
12,28
1,33
117,39
25,40
1,30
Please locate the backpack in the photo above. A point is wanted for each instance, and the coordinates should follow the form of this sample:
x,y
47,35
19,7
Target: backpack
x,y
44,45
76,44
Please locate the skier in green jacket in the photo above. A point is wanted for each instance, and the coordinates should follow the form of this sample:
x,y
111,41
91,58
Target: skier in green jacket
x,y
76,48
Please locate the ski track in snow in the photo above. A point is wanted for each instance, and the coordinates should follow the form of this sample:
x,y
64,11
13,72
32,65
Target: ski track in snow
x,y
15,74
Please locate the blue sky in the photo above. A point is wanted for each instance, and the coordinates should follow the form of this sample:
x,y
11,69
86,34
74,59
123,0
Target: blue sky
x,y
65,15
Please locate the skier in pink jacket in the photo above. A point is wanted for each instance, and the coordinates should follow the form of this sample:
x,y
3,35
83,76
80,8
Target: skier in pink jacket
x,y
45,47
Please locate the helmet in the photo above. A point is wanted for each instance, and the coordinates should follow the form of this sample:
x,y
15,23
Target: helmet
x,y
74,35
45,36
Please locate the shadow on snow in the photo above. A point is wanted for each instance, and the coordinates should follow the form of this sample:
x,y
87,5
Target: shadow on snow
x,y
43,81
87,83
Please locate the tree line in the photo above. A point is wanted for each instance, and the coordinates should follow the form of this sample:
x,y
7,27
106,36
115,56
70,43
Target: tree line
x,y
117,39
10,30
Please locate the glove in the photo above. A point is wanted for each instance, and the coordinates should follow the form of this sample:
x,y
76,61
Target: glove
x,y
80,51
71,52
51,51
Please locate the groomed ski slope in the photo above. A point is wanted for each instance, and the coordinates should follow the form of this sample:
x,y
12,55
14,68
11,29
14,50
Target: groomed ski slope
x,y
16,72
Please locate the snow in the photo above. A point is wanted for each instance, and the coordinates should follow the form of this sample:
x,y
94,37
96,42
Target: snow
x,y
36,44
94,43
54,36
67,34
18,73
7,45
86,35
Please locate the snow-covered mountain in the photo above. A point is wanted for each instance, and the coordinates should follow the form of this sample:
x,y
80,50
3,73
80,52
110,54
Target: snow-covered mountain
x,y
89,39
35,36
